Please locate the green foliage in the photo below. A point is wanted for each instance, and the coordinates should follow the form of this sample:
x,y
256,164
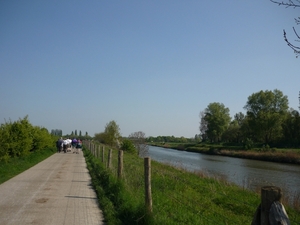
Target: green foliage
x,y
248,145
267,121
100,137
266,111
19,138
164,139
291,129
41,139
14,166
218,119
179,197
128,146
113,135
117,204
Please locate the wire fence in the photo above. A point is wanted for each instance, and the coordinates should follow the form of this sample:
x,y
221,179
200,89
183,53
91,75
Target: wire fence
x,y
220,206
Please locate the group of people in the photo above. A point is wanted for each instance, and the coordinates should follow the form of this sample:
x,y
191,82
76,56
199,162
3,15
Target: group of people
x,y
68,145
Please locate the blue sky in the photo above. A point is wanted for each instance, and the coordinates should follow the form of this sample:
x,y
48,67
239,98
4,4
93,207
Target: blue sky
x,y
151,66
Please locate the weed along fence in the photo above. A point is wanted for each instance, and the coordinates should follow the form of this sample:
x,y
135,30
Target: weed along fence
x,y
99,152
173,196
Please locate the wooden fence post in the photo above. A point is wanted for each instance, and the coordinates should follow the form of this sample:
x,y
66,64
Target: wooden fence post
x,y
148,194
109,158
270,211
120,164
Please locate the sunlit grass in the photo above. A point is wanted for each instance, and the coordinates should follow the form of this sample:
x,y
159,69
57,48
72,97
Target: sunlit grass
x,y
179,197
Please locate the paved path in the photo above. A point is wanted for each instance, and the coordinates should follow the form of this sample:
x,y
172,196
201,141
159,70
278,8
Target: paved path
x,y
56,191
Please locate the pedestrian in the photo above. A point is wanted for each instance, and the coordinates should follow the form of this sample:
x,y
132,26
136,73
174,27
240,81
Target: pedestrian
x,y
78,146
65,145
59,145
74,144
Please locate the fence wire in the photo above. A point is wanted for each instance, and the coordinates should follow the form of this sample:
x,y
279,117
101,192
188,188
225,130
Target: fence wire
x,y
183,200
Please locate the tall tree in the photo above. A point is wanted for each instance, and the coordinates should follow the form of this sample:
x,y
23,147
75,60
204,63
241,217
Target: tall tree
x,y
203,126
218,119
112,134
266,110
291,129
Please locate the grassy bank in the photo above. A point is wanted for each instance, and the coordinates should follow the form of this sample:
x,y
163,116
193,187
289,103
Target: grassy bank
x,y
17,165
179,197
263,153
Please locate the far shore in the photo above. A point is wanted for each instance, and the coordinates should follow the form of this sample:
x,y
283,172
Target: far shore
x,y
278,155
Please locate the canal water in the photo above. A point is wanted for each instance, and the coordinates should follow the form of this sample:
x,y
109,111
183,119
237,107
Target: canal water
x,y
250,174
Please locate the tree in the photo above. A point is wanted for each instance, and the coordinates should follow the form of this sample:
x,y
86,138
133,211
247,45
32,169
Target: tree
x,y
203,125
218,119
112,134
291,3
139,140
291,129
197,138
232,134
266,110
56,132
101,137
128,146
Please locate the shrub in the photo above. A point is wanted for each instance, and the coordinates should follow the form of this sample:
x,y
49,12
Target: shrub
x,y
248,144
128,146
19,138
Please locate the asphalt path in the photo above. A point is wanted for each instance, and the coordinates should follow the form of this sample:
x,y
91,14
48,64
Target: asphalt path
x,y
56,191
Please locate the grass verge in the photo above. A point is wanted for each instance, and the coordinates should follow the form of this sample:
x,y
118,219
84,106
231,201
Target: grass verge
x,y
179,197
14,166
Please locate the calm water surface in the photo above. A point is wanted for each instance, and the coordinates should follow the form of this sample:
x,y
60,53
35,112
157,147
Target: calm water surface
x,y
251,174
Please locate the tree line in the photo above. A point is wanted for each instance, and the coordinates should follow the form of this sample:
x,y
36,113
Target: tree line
x,y
268,120
173,139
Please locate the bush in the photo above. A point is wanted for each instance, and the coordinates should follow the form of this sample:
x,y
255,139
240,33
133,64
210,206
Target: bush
x,y
128,146
19,138
248,144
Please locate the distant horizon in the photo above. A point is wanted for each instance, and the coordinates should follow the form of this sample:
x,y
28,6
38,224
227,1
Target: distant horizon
x,y
151,66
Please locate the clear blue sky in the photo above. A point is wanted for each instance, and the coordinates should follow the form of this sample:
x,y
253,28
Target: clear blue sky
x,y
151,66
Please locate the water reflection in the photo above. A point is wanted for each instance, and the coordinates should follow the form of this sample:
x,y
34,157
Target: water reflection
x,y
251,174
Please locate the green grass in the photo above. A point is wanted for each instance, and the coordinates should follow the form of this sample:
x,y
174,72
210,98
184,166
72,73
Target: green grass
x,y
14,166
179,197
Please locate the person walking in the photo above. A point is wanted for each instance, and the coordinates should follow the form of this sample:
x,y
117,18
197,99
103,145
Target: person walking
x,y
65,145
74,144
78,146
59,145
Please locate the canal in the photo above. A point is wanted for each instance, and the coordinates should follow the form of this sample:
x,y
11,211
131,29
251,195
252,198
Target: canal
x,y
250,174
